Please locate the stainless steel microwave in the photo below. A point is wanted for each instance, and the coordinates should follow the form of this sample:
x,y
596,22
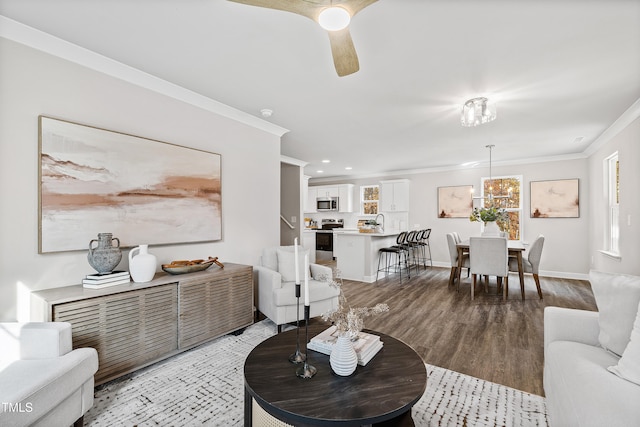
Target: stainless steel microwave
x,y
326,204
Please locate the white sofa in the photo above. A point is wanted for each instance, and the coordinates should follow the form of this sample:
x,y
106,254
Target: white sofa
x,y
276,286
585,382
43,382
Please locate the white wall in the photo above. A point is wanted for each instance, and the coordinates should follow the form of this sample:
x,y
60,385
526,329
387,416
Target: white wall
x,y
627,144
34,83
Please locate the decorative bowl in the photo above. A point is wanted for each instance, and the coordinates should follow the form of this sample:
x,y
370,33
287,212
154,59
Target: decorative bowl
x,y
182,269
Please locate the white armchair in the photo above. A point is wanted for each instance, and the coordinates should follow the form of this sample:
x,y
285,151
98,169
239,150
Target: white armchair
x,y
43,382
276,286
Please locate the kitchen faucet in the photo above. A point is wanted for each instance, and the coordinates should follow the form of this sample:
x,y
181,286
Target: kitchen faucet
x,y
380,227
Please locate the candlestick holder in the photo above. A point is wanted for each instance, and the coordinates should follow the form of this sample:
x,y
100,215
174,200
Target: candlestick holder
x,y
298,356
306,370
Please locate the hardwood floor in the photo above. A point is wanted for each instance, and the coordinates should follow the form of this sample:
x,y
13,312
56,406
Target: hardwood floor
x,y
488,338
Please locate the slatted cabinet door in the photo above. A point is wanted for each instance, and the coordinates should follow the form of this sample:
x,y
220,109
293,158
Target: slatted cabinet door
x,y
128,329
211,308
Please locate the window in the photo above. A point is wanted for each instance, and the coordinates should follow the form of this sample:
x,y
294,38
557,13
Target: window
x,y
369,195
510,186
612,166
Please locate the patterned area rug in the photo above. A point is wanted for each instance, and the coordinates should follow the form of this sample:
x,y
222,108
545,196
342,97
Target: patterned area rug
x,y
185,391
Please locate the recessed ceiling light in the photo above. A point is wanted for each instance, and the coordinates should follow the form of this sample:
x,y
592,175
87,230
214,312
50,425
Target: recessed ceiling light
x,y
320,171
326,161
266,112
348,168
578,140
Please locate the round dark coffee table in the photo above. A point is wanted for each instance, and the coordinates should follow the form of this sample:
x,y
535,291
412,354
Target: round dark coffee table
x,y
382,392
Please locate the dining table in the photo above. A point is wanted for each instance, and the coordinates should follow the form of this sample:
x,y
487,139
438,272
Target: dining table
x,y
515,248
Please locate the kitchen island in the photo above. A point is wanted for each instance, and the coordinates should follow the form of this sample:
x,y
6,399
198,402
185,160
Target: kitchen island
x,y
357,253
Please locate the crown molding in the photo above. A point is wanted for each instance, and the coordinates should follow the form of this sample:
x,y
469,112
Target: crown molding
x,y
631,114
39,40
292,161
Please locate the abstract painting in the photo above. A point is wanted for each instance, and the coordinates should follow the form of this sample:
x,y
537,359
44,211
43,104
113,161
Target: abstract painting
x,y
455,202
555,199
142,191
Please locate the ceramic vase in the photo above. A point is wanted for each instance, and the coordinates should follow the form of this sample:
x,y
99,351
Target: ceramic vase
x,y
142,264
343,358
491,229
103,256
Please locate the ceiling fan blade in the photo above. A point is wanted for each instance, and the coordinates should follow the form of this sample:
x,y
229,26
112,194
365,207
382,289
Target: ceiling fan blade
x,y
304,8
344,53
355,6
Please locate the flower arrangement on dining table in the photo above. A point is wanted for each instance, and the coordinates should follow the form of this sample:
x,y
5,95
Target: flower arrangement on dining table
x,y
349,320
490,214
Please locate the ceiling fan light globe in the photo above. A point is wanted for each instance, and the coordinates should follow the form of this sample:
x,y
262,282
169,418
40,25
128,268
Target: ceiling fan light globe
x,y
334,18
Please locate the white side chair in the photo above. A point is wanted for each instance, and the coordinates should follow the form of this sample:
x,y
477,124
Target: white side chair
x,y
276,286
489,256
43,382
531,263
453,254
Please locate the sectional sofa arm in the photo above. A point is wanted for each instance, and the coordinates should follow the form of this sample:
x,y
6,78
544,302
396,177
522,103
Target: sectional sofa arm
x,y
567,324
35,340
321,272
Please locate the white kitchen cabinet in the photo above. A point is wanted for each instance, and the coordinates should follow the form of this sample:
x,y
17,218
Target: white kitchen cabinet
x,y
345,194
394,195
328,191
310,205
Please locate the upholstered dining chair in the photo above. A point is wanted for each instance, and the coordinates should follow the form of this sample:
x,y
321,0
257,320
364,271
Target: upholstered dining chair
x,y
489,256
453,254
531,263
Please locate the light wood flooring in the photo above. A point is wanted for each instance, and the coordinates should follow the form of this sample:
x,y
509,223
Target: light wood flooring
x,y
488,338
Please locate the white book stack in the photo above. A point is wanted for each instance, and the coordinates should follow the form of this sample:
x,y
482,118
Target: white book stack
x,y
103,280
366,346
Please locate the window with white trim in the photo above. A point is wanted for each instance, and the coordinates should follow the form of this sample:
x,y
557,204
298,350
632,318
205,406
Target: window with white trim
x,y
612,166
369,199
506,191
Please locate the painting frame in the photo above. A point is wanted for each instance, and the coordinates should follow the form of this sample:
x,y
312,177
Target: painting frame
x,y
453,203
559,198
143,191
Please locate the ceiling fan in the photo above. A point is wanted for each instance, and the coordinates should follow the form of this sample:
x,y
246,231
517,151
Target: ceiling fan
x,y
333,17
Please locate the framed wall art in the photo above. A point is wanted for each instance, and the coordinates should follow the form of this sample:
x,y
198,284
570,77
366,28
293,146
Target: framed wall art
x,y
455,202
555,199
141,190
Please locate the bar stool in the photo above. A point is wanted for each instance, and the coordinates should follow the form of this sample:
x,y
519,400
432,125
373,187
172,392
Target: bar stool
x,y
401,254
411,245
423,244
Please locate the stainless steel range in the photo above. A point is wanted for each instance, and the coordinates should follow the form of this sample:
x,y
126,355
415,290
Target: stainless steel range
x,y
324,238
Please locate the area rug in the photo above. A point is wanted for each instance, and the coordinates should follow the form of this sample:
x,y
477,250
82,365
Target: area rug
x,y
186,391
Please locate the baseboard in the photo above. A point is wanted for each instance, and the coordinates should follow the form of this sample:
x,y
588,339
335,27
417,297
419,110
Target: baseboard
x,y
543,273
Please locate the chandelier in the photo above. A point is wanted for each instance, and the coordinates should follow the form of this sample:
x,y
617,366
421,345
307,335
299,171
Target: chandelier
x,y
490,197
477,111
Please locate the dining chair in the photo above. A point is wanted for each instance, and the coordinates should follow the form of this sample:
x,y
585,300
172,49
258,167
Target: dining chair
x,y
531,263
453,254
489,256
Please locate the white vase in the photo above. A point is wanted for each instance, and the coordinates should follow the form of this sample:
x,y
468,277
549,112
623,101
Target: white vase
x,y
343,359
142,266
491,229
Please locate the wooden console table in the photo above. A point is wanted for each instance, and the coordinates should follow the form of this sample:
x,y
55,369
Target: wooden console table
x,y
137,324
